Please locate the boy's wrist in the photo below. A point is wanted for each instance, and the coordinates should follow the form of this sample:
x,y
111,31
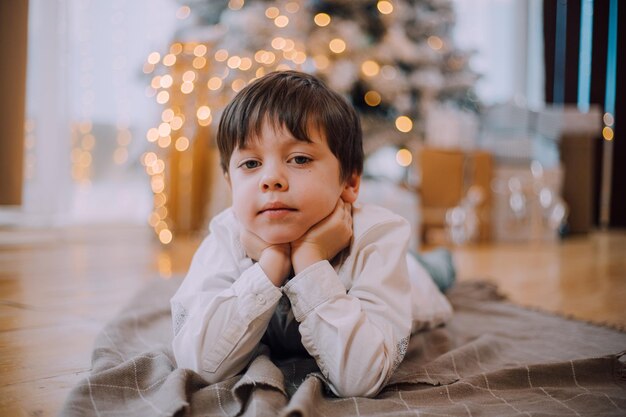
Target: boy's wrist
x,y
305,256
276,263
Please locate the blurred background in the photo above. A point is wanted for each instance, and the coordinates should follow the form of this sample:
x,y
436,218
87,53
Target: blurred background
x,y
484,120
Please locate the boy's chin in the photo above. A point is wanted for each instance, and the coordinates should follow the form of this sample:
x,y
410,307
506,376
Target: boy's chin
x,y
279,238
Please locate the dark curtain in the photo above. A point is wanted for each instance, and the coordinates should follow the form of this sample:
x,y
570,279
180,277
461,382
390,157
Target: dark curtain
x,y
598,86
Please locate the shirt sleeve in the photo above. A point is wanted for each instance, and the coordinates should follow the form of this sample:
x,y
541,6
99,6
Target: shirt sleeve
x,y
357,336
222,308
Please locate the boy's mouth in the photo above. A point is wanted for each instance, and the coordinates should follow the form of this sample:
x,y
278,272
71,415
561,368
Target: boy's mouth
x,y
276,208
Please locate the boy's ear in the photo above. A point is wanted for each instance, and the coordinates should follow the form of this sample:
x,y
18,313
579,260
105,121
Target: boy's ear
x,y
351,188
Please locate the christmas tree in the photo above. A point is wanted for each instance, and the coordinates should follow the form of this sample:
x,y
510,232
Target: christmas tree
x,y
395,60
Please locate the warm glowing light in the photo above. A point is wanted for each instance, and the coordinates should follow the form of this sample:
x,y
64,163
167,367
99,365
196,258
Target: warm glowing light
x,y
246,64
154,218
404,124
159,200
260,72
221,55
189,76
238,85
289,45
182,144
167,115
148,68
235,4
85,159
281,21
183,12
161,212
166,81
177,123
200,50
163,97
283,67
165,236
435,42
206,121
384,6
199,62
607,133
404,157
269,58
156,81
124,137
321,19
299,58
321,62
169,60
120,156
161,225
203,112
214,83
85,127
157,184
370,68
372,98
259,55
165,265
272,12
233,62
292,7
164,129
154,58
186,87
88,142
176,48
337,45
608,119
164,141
149,158
278,43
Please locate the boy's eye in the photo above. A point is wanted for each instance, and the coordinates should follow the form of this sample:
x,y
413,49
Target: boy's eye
x,y
250,164
301,160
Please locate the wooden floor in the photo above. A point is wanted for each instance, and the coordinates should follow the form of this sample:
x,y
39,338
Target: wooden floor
x,y
59,287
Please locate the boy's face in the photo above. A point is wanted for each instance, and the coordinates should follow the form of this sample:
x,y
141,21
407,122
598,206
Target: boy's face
x,y
282,186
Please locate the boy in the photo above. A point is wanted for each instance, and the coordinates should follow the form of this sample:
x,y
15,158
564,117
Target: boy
x,y
293,264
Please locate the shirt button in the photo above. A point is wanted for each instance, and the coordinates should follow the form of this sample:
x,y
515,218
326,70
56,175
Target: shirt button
x,y
260,299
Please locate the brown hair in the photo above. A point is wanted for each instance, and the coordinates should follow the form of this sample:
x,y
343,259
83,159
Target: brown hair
x,y
292,100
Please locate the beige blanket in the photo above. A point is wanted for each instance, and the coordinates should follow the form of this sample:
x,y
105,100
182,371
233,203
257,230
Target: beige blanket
x,y
493,359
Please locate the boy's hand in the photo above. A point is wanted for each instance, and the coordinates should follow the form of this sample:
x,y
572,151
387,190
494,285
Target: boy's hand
x,y
325,239
275,260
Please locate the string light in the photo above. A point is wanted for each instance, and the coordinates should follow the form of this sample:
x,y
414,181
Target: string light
x,y
372,98
281,21
385,7
404,157
370,68
272,12
337,45
404,124
322,19
435,42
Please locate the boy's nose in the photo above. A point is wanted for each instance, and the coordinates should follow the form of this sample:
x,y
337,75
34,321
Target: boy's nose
x,y
273,183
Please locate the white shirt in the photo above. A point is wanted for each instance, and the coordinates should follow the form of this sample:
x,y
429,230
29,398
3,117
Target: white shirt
x,y
354,319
